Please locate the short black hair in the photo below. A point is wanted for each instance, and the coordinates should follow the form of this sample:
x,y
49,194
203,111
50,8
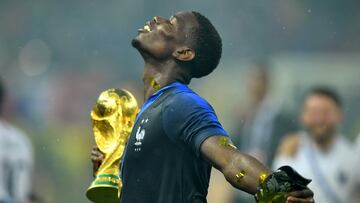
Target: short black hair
x,y
207,45
327,92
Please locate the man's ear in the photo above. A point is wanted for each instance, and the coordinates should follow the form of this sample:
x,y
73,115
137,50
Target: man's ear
x,y
184,54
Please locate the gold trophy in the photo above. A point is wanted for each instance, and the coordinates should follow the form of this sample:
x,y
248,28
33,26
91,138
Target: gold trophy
x,y
113,117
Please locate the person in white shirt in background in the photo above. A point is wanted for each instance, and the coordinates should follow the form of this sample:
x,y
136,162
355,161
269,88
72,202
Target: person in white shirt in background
x,y
16,161
358,143
320,152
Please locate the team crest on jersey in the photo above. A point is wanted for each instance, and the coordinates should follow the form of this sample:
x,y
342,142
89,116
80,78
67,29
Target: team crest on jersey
x,y
140,134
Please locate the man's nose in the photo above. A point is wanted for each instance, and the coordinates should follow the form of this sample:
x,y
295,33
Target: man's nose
x,y
320,118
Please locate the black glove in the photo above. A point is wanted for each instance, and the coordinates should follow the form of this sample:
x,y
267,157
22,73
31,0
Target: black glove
x,y
279,183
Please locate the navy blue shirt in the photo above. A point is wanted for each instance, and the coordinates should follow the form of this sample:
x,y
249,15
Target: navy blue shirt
x,y
162,161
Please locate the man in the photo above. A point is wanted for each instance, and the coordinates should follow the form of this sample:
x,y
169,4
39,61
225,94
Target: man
x,y
320,152
177,137
16,161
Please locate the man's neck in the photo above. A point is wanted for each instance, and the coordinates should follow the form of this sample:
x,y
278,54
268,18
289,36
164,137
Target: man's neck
x,y
160,74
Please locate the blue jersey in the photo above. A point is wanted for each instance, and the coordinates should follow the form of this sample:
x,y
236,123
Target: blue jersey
x,y
162,161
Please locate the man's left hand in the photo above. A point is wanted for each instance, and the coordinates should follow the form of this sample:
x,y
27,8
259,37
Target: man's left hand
x,y
301,196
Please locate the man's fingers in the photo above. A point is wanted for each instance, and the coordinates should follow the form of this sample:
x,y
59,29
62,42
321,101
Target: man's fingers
x,y
96,153
299,200
96,166
97,158
95,148
306,193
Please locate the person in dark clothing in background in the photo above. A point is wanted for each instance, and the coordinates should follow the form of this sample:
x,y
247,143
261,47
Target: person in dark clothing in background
x,y
263,120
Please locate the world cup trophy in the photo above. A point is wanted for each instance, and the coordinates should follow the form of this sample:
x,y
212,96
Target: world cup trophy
x,y
113,117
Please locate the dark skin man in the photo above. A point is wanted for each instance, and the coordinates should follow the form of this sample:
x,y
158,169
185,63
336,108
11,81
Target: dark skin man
x,y
170,54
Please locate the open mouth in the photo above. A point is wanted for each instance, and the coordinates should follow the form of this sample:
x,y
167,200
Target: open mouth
x,y
146,28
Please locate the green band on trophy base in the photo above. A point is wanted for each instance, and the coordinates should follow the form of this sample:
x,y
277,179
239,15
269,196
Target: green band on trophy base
x,y
108,175
105,188
106,183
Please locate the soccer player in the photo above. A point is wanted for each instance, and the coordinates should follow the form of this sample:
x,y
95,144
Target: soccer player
x,y
177,137
16,160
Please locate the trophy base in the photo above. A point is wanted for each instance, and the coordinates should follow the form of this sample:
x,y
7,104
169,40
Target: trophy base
x,y
105,189
103,194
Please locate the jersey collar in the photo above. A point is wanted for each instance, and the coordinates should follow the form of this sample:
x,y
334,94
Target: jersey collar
x,y
157,94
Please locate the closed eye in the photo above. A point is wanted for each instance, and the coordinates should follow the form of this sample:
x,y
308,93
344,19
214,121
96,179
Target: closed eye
x,y
172,20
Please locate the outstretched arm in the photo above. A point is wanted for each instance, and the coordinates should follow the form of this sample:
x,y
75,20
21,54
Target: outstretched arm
x,y
241,170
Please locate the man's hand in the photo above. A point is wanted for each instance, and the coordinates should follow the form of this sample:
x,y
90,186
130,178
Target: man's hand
x,y
96,158
284,180
302,196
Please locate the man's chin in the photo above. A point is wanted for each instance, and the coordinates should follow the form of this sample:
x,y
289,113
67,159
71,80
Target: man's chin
x,y
135,43
320,133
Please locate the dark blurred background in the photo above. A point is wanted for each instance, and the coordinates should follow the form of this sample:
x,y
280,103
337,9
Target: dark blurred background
x,y
57,56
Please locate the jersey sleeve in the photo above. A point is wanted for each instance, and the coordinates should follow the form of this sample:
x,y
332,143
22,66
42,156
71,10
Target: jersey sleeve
x,y
189,120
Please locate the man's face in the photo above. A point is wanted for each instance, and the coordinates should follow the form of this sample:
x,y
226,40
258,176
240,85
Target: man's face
x,y
160,37
321,116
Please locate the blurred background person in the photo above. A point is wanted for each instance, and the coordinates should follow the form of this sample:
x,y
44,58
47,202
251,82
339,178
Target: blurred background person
x,y
16,161
262,120
322,153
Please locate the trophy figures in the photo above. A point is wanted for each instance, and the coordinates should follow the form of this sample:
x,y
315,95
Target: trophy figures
x,y
113,117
